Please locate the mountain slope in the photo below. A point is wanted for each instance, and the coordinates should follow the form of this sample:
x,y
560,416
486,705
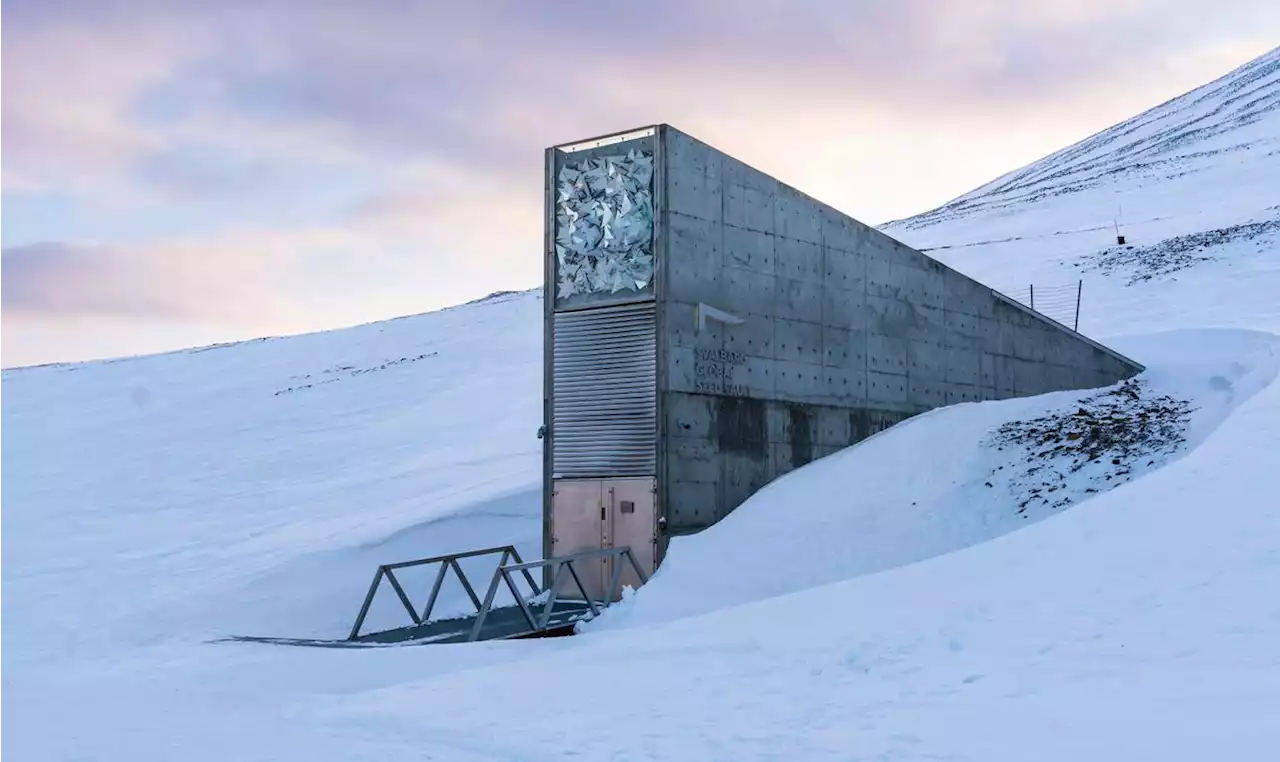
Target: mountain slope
x,y
1191,185
256,486
1210,129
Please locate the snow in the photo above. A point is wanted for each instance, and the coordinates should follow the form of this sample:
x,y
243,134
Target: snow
x,y
882,603
181,496
1203,162
929,486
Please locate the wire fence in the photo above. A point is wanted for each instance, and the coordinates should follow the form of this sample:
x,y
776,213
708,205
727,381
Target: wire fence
x,y
1056,302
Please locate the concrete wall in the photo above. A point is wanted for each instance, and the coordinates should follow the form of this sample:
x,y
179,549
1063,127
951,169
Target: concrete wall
x,y
846,332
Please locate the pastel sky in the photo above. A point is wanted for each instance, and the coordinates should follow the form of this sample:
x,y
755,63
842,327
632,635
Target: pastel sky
x,y
182,172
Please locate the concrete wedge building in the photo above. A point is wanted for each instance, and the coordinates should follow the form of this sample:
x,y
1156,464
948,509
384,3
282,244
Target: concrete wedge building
x,y
709,329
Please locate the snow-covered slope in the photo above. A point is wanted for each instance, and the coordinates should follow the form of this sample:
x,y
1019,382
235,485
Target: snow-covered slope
x,y
858,608
1210,131
1194,185
948,479
256,486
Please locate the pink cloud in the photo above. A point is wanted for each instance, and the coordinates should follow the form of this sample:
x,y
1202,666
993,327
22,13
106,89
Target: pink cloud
x,y
235,276
68,92
439,112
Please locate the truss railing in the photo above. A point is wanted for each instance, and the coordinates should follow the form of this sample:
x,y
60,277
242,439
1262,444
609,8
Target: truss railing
x,y
558,565
447,562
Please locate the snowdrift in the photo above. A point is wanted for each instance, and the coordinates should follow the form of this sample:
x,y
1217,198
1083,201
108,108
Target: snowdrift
x,y
940,482
1138,625
253,488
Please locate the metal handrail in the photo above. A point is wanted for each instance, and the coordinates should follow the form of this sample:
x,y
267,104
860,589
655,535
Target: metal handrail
x,y
446,562
558,566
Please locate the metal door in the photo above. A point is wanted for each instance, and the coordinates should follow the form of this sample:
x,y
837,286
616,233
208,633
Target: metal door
x,y
632,521
577,524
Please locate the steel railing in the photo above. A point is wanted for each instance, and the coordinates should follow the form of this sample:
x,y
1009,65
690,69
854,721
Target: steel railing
x,y
447,562
558,565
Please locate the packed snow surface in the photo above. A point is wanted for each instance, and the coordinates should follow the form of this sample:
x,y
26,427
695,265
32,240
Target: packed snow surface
x,y
908,598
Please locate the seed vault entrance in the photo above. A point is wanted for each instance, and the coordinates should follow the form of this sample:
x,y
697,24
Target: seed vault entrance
x,y
707,330
601,384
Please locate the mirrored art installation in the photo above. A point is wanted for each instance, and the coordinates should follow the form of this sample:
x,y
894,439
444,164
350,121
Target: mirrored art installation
x,y
604,225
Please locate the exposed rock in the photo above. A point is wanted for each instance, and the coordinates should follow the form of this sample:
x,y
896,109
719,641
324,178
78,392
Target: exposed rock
x,y
1070,453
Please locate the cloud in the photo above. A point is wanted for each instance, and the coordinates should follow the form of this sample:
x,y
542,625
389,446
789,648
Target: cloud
x,y
17,182
485,85
470,238
200,174
68,89
395,255
63,278
433,76
303,164
231,278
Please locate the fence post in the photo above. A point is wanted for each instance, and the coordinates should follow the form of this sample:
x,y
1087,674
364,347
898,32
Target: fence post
x,y
1079,288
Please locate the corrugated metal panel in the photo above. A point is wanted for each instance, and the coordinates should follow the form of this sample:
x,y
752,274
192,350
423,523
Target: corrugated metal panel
x,y
604,378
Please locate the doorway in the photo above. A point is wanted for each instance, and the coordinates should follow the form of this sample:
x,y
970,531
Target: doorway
x,y
591,514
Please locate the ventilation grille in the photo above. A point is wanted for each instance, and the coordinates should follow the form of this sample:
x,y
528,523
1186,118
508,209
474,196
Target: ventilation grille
x,y
604,379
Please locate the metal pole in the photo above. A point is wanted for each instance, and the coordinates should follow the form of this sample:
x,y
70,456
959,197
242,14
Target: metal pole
x,y
1079,288
484,608
591,604
644,578
368,601
404,599
515,593
557,575
435,592
528,577
471,593
1033,296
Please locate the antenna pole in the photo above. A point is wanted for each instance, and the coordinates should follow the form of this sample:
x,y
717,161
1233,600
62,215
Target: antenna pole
x,y
1079,288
